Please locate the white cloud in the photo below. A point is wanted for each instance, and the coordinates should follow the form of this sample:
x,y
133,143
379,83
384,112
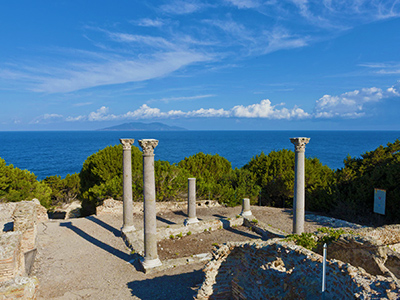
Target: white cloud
x,y
150,22
118,71
264,110
280,38
388,68
244,3
82,104
351,104
47,118
101,115
180,7
166,100
152,41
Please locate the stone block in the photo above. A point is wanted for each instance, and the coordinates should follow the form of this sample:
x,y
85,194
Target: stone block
x,y
11,256
25,221
20,288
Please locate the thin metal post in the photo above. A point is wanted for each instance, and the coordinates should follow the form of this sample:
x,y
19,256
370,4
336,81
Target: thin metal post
x,y
324,273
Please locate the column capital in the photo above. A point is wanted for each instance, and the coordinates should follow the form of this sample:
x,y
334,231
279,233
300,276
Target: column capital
x,y
300,143
127,143
148,146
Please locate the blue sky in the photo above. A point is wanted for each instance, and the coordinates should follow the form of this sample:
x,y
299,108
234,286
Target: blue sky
x,y
229,64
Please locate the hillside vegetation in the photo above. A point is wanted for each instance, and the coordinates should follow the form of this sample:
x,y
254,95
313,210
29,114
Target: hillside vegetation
x,y
267,179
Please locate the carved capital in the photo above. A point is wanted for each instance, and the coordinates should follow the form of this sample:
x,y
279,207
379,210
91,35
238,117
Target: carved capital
x,y
300,143
127,143
148,146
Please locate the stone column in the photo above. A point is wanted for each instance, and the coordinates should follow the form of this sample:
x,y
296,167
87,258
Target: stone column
x,y
246,212
299,198
191,202
151,259
127,185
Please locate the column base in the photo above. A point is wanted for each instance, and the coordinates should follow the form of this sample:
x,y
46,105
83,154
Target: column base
x,y
149,264
190,221
246,214
126,229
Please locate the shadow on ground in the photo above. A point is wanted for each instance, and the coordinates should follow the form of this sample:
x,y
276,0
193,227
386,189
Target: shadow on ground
x,y
181,286
122,255
165,220
114,230
226,226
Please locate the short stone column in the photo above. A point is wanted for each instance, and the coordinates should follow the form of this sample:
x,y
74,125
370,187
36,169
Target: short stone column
x,y
192,218
299,194
246,212
127,185
151,259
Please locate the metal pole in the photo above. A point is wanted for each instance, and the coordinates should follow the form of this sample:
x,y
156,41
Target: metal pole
x,y
324,273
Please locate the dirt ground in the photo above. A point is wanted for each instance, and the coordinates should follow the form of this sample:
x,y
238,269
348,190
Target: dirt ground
x,y
86,258
202,242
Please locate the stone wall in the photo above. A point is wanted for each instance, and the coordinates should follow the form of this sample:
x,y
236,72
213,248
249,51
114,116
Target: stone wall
x,y
135,239
17,249
387,235
278,270
368,253
111,206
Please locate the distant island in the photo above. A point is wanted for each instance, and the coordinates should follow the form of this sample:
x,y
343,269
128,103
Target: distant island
x,y
138,126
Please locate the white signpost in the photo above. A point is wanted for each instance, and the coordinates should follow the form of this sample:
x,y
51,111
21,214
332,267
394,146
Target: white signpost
x,y
379,201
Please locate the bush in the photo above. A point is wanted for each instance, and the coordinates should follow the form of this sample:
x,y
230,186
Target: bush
x,y
380,168
63,190
274,173
171,181
101,177
17,185
208,170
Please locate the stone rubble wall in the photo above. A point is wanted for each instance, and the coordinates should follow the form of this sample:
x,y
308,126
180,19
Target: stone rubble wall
x,y
111,206
12,263
387,235
279,270
14,246
368,253
25,222
135,239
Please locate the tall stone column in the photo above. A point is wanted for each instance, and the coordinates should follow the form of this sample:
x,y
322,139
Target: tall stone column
x,y
127,185
191,202
299,194
151,259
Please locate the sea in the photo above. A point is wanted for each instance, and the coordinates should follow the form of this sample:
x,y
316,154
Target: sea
x,y
47,153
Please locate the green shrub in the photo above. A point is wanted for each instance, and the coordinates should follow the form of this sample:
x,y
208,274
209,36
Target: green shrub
x,y
274,174
354,194
63,190
18,185
306,240
101,177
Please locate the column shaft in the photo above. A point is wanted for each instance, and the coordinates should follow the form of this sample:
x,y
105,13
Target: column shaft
x,y
192,218
299,185
127,185
151,259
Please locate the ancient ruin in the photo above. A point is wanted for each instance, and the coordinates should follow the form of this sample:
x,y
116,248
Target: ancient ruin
x,y
191,211
299,198
17,253
151,259
127,186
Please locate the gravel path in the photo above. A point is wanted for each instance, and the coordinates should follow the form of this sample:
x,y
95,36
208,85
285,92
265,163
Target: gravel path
x,y
86,258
